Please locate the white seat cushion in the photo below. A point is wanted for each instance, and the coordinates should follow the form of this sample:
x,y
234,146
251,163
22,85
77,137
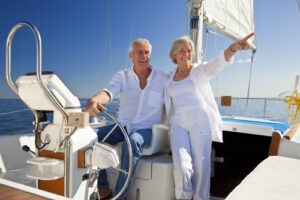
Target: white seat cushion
x,y
275,178
160,141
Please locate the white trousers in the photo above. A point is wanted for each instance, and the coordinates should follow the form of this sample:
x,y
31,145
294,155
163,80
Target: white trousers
x,y
191,151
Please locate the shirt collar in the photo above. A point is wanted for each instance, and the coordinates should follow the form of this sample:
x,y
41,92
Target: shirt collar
x,y
150,76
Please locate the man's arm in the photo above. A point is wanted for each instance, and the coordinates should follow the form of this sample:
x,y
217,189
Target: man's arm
x,y
95,104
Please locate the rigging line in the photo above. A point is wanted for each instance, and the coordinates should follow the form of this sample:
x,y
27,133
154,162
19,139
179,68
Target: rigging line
x,y
109,36
254,28
226,14
104,60
16,111
131,29
206,38
187,15
217,85
215,42
248,92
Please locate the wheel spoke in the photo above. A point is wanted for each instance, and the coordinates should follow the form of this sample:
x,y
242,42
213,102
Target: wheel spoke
x,y
110,132
121,170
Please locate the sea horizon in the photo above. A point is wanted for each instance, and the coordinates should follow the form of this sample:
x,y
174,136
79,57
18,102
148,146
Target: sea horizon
x,y
17,118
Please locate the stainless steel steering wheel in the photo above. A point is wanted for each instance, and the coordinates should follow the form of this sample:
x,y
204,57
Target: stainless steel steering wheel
x,y
129,172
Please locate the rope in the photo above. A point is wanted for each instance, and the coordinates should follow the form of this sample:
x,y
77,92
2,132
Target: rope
x,y
248,92
131,29
292,101
206,38
104,62
16,111
108,34
109,37
187,15
217,85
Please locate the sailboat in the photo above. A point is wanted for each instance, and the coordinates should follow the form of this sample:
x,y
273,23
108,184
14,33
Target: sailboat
x,y
247,141
61,159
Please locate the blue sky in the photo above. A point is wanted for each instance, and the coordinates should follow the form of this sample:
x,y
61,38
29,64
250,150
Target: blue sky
x,y
76,45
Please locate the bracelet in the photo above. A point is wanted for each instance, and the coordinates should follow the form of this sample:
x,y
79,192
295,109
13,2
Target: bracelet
x,y
232,49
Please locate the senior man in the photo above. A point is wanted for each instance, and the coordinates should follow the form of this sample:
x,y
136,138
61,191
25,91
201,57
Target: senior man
x,y
141,90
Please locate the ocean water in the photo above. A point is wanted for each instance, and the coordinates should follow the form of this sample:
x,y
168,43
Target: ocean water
x,y
21,122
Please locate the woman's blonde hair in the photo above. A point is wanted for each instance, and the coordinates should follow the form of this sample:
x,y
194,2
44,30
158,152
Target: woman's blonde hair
x,y
178,44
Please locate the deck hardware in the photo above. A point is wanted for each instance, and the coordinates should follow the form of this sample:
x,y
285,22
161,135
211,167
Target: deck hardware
x,y
94,176
138,194
94,196
85,177
27,149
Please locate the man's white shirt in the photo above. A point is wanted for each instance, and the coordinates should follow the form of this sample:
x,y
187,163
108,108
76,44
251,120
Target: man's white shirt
x,y
139,108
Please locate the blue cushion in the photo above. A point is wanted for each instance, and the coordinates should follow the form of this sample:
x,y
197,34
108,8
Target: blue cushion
x,y
276,126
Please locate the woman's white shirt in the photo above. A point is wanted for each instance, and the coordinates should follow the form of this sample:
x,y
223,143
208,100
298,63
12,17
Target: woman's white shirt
x,y
188,109
200,75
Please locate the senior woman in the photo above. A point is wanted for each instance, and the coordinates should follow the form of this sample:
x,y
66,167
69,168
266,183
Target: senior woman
x,y
194,116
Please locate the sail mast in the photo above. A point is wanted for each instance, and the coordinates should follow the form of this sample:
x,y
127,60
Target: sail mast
x,y
196,28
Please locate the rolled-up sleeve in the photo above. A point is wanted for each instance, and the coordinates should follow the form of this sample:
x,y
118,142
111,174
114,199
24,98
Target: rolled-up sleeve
x,y
114,86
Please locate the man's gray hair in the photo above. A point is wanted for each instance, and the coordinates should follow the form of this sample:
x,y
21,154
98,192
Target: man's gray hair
x,y
178,44
139,41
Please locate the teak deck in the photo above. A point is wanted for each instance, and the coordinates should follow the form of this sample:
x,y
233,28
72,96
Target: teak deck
x,y
9,193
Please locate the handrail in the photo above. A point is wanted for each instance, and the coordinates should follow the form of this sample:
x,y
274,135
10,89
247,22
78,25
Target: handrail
x,y
292,131
38,67
8,69
265,99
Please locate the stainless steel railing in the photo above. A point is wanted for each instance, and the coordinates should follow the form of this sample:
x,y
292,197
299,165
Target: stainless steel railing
x,y
41,84
262,98
38,65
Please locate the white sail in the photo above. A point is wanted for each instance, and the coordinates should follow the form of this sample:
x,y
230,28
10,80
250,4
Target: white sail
x,y
233,18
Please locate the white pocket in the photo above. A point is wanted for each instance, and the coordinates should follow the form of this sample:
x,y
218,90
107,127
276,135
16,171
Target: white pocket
x,y
155,99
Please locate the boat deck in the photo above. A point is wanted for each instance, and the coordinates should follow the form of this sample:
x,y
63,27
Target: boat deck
x,y
9,193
